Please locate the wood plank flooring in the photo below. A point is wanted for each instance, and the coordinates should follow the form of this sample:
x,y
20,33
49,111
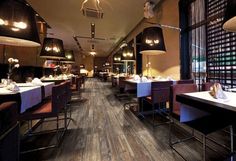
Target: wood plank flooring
x,y
103,131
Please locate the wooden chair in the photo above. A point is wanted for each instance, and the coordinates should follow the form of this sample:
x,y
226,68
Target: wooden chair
x,y
205,125
49,109
160,95
9,132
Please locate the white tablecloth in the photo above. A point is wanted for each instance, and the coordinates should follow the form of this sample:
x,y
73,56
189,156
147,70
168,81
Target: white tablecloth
x,y
30,95
143,88
48,88
188,113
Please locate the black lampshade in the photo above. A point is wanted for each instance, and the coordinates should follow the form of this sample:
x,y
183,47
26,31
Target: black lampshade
x,y
17,24
117,59
229,23
128,54
152,41
70,58
52,49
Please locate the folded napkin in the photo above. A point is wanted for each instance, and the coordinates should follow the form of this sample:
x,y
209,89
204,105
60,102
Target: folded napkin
x,y
144,79
136,78
217,92
158,78
37,82
170,78
13,87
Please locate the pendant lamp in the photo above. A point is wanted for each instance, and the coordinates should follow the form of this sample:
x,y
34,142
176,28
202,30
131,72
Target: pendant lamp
x,y
152,41
128,54
17,24
229,22
69,57
52,49
117,59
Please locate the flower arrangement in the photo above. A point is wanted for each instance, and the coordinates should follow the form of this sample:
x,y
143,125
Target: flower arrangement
x,y
12,64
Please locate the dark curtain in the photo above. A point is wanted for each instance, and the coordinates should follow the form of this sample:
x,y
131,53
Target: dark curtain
x,y
185,70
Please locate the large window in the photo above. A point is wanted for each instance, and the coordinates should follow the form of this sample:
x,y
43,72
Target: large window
x,y
212,50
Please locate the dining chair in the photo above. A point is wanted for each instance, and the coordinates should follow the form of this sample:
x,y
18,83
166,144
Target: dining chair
x,y
46,110
9,132
207,85
160,95
76,84
76,90
122,94
205,125
185,81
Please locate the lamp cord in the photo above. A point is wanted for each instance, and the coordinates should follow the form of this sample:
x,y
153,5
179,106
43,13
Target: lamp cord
x,y
165,26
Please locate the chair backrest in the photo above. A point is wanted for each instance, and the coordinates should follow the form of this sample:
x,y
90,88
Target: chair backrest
x,y
179,89
206,86
185,81
160,91
78,82
68,91
121,82
59,97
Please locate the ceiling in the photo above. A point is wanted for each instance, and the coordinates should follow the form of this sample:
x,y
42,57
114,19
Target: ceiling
x,y
67,20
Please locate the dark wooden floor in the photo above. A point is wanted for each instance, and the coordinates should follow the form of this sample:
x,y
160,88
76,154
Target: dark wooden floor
x,y
102,130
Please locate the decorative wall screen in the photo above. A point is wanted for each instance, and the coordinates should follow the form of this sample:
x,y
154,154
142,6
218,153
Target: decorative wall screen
x,y
212,49
221,47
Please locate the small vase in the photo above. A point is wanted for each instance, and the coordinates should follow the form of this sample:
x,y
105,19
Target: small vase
x,y
9,78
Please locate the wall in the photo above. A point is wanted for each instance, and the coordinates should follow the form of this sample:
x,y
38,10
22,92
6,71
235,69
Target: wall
x,y
167,64
99,61
88,61
28,56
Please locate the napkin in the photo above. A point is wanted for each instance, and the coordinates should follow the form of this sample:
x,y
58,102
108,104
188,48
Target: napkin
x,y
217,92
13,87
170,78
158,78
136,78
144,79
37,82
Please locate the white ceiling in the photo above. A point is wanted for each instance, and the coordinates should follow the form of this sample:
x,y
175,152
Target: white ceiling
x,y
66,20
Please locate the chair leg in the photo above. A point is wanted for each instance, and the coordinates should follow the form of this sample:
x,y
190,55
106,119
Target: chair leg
x,y
153,115
170,131
231,138
204,148
65,118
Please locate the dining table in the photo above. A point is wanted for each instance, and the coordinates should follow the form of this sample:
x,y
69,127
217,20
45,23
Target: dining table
x,y
197,104
143,88
28,94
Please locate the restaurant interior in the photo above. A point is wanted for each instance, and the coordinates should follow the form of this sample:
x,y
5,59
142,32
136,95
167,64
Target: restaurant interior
x,y
112,80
